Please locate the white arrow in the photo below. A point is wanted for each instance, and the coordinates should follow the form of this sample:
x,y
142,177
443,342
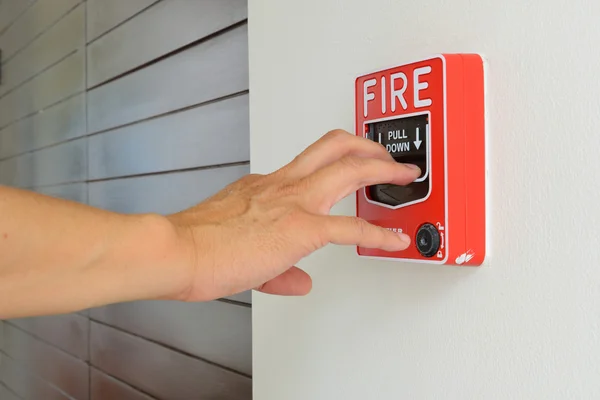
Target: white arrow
x,y
418,142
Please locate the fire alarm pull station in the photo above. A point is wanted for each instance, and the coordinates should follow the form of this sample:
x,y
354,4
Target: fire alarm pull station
x,y
430,113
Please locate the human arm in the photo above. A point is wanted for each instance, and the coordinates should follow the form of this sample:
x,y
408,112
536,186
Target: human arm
x,y
58,256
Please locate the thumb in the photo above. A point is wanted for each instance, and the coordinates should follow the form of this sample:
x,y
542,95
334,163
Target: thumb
x,y
293,282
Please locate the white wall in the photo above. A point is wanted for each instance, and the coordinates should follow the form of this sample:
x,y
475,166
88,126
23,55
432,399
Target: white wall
x,y
525,326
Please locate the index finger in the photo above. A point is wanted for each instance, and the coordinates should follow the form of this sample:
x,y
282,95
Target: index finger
x,y
332,147
343,230
331,184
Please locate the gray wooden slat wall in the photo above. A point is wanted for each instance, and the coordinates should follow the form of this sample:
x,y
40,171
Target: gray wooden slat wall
x,y
134,106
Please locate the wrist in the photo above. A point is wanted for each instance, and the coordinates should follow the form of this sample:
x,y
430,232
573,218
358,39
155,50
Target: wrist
x,y
171,256
152,259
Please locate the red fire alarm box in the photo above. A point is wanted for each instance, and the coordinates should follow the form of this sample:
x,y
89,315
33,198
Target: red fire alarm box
x,y
430,113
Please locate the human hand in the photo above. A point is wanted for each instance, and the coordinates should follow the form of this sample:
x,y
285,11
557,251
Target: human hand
x,y
252,233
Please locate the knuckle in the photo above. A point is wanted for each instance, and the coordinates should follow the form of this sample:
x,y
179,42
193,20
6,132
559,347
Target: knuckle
x,y
285,189
337,135
361,226
246,183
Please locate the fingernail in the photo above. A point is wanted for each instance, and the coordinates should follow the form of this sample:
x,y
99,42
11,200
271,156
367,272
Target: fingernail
x,y
412,166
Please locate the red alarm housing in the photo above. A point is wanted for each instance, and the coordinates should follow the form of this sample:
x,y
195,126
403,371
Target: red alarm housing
x,y
430,113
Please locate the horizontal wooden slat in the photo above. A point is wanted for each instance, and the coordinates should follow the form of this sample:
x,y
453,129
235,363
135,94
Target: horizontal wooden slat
x,y
72,191
57,83
159,30
65,163
28,386
59,164
60,40
33,22
205,72
10,10
68,332
104,15
15,170
105,387
47,362
163,194
217,133
162,372
63,121
5,393
215,331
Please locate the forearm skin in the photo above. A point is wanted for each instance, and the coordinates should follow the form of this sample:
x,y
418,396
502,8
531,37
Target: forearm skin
x,y
58,256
